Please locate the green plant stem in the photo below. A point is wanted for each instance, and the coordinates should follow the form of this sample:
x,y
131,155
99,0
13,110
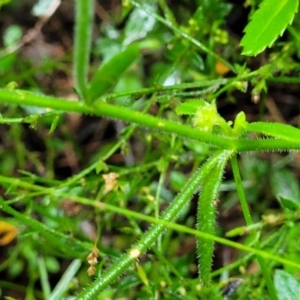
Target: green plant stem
x,y
44,277
167,89
240,191
284,79
248,219
82,45
104,109
21,97
158,202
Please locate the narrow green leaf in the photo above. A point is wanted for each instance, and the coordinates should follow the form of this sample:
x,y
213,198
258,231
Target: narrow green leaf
x,y
207,218
286,285
267,23
64,282
277,130
108,74
240,124
285,188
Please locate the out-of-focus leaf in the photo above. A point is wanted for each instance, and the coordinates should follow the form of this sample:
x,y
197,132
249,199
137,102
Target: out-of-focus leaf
x,y
267,23
65,280
45,8
277,130
285,188
3,2
6,63
177,180
130,81
108,74
142,274
54,123
286,285
12,35
139,24
209,10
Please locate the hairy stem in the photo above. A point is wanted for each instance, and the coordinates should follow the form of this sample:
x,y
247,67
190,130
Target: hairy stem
x,y
21,97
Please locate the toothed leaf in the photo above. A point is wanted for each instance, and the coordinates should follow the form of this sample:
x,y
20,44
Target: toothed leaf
x,y
277,130
267,23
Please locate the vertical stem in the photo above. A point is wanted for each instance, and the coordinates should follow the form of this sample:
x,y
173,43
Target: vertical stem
x,y
44,277
158,202
82,44
240,190
248,219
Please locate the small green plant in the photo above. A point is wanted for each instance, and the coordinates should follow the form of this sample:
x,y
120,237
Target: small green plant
x,y
188,117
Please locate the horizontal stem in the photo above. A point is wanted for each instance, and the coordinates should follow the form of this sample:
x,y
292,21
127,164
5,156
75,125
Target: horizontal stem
x,y
21,97
284,79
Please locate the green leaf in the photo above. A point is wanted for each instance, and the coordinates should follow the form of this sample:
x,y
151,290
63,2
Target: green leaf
x,y
12,35
267,23
177,180
206,217
240,124
66,279
190,107
54,123
139,24
108,74
285,188
277,130
286,285
3,2
45,8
